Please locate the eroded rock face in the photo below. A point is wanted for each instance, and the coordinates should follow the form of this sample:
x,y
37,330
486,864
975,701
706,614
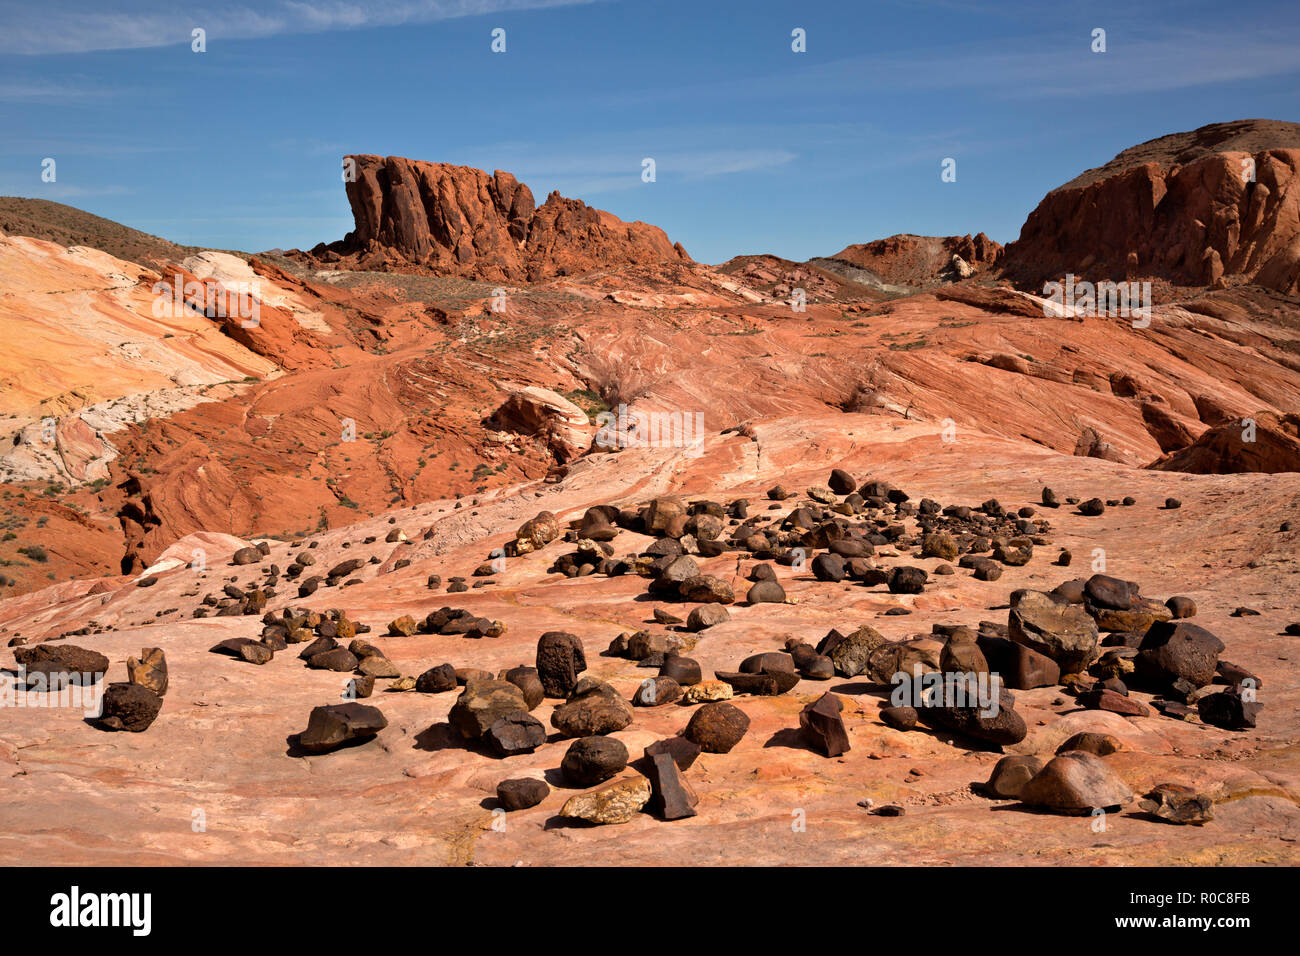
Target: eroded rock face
x,y
457,220
1183,207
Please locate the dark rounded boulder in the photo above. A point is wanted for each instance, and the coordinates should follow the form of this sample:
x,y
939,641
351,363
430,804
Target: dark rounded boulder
x,y
128,706
717,727
520,793
593,760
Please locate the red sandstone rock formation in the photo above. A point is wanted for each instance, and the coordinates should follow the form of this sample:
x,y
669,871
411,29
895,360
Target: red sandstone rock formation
x,y
1270,447
1182,207
922,261
456,220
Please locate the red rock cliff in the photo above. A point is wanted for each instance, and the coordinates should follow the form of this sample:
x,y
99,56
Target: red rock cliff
x,y
1182,208
457,220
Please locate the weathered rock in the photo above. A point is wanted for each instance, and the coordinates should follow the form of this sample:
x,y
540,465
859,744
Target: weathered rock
x,y
907,580
129,706
528,681
376,665
717,727
1064,632
706,691
1101,699
900,718
683,751
520,793
706,589
149,670
684,670
54,665
616,802
994,722
1173,650
535,412
333,725
1175,803
841,482
591,714
1020,667
851,652
1105,591
403,626
823,725
1099,745
671,798
437,680
338,659
1076,782
1229,710
656,691
515,733
910,657
941,544
1010,774
482,703
560,659
592,760
766,592
706,616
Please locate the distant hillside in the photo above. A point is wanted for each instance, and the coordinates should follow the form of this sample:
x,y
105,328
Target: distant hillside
x,y
55,222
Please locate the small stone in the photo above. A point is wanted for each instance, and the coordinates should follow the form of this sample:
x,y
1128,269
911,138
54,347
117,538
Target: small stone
x,y
590,714
403,626
824,727
437,680
707,691
684,670
766,592
717,727
616,802
515,733
1010,774
1178,804
520,793
1228,710
706,616
338,659
656,691
149,670
900,718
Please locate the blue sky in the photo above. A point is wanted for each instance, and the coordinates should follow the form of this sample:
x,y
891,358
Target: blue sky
x,y
757,148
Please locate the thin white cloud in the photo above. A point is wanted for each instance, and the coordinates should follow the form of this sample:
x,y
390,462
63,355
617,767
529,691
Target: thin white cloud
x,y
83,27
39,91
